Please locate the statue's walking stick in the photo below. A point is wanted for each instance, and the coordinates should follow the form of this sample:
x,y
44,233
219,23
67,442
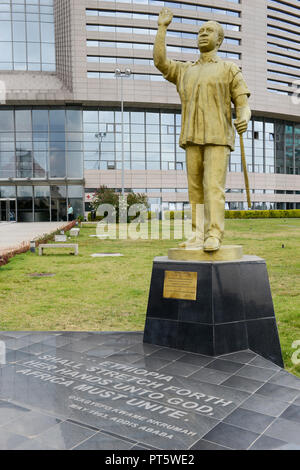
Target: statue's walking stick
x,y
245,170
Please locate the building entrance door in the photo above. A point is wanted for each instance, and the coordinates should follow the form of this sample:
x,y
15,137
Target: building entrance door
x,y
7,210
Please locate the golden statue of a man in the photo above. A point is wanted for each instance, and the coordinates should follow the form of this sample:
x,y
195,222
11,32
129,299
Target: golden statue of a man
x,y
206,88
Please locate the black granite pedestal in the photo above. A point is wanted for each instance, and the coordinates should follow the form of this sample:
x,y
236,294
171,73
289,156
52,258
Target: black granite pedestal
x,y
233,310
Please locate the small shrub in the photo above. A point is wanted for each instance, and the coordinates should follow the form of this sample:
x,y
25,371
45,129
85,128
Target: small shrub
x,y
95,218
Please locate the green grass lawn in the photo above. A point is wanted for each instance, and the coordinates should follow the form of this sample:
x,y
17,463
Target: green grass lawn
x,y
111,293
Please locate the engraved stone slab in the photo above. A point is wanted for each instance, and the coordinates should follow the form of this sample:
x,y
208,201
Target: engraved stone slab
x,y
104,255
60,238
111,391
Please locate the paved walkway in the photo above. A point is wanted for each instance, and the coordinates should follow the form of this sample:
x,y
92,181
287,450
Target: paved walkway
x,y
12,235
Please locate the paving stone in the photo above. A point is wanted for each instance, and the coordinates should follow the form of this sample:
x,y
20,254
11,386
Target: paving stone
x,y
277,392
10,441
34,444
151,363
168,354
15,334
242,357
224,366
127,357
57,341
138,447
14,355
180,368
77,335
285,430
264,405
241,383
31,424
231,436
286,379
4,337
197,359
210,375
36,348
206,445
143,348
250,420
292,413
256,373
104,351
102,441
266,442
9,412
81,346
262,362
297,401
65,436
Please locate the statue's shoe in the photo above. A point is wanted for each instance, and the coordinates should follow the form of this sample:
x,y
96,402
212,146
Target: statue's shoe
x,y
193,242
212,244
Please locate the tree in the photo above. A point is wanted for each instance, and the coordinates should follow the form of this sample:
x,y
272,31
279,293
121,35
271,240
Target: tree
x,y
105,195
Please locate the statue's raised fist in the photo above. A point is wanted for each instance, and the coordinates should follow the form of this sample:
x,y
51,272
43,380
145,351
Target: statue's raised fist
x,y
165,17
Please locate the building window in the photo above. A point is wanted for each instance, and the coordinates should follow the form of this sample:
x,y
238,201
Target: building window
x,y
27,38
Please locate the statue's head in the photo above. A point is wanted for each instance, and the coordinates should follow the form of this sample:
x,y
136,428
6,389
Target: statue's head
x,y
210,36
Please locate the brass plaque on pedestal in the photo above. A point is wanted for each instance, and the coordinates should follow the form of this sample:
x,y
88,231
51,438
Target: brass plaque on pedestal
x,y
180,285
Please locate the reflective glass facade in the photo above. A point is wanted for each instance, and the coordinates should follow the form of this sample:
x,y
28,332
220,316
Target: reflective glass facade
x,y
152,142
27,39
41,143
288,148
41,147
40,203
152,136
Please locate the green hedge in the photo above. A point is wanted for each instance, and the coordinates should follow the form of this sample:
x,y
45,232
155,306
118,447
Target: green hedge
x,y
268,214
177,215
258,214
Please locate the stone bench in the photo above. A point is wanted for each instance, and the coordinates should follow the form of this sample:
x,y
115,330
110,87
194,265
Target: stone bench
x,y
56,245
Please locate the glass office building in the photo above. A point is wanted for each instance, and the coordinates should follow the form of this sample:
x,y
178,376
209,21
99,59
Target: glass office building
x,y
60,103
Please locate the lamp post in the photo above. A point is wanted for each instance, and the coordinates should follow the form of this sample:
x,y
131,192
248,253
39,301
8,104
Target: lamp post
x,y
100,136
122,75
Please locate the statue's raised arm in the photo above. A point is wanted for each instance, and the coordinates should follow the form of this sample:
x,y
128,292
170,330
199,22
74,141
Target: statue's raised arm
x,y
159,50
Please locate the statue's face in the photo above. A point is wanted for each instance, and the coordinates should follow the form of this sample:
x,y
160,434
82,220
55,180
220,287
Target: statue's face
x,y
208,37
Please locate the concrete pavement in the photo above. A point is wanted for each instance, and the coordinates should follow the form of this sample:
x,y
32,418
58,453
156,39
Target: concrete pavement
x,y
13,235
